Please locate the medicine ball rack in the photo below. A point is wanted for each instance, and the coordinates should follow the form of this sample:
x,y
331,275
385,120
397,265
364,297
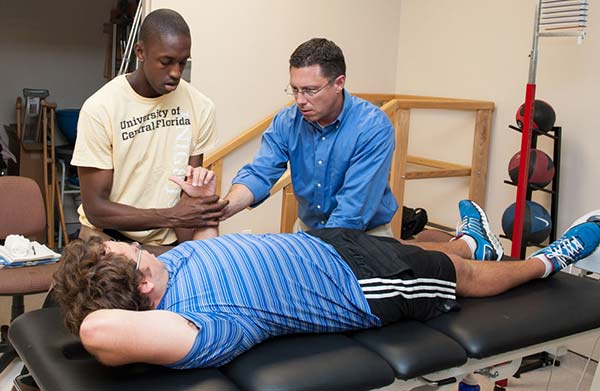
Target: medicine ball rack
x,y
542,359
555,134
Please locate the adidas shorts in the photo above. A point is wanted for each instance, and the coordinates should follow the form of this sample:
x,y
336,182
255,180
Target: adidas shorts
x,y
399,281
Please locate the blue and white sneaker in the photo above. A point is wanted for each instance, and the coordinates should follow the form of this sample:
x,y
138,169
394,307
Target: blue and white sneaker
x,y
574,245
474,223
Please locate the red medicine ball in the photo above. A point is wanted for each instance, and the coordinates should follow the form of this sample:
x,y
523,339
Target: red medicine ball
x,y
541,168
543,116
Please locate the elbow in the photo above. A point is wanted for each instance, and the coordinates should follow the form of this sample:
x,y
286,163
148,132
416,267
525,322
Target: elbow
x,y
90,331
96,209
94,215
94,221
94,334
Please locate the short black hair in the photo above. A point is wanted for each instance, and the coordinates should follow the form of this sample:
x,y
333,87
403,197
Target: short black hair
x,y
162,22
323,52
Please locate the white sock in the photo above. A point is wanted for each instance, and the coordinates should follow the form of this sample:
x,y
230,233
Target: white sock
x,y
547,264
471,243
470,380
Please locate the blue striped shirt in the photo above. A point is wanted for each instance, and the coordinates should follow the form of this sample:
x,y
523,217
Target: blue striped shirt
x,y
242,289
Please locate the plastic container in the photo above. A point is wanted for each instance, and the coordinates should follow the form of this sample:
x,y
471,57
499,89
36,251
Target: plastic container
x,y
66,119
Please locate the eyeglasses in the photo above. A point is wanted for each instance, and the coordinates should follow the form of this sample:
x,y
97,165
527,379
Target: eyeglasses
x,y
138,247
306,92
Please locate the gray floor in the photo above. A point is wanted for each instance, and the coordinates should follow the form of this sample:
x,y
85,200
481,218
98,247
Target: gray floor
x,y
566,377
562,378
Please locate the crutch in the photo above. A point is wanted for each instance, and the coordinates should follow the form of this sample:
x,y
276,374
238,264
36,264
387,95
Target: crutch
x,y
132,37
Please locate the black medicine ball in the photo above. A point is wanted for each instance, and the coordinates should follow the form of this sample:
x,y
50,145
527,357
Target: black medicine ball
x,y
541,168
543,116
537,222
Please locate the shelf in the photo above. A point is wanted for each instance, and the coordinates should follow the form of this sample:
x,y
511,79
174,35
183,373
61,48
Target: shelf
x,y
532,187
537,132
554,134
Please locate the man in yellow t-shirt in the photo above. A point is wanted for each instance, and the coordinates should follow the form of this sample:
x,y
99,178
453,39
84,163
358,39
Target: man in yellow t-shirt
x,y
138,131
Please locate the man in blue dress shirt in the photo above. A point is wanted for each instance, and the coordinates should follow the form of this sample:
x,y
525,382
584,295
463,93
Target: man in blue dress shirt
x,y
339,148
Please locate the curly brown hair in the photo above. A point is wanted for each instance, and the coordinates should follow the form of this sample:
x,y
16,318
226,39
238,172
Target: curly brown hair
x,y
91,278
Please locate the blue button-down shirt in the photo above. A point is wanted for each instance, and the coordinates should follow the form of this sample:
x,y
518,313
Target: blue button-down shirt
x,y
339,172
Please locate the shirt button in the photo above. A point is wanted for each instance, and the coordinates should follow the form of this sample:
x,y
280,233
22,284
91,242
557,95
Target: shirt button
x,y
318,206
323,221
318,185
320,162
323,138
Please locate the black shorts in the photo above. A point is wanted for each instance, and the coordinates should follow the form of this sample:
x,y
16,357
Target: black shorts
x,y
399,281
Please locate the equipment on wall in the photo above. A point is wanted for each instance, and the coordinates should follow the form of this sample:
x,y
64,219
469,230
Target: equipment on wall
x,y
32,115
553,18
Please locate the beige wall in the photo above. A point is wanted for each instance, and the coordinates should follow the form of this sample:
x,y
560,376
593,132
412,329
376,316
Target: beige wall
x,y
44,46
240,52
479,49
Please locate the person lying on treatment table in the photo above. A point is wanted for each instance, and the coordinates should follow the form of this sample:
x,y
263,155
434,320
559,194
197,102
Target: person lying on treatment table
x,y
218,297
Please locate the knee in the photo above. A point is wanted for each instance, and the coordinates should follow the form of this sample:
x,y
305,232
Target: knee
x,y
464,270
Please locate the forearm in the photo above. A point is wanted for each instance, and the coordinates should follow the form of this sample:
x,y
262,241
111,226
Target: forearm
x,y
187,213
184,234
205,233
108,214
239,197
356,209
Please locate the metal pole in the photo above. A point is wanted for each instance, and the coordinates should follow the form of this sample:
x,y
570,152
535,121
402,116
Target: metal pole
x,y
517,234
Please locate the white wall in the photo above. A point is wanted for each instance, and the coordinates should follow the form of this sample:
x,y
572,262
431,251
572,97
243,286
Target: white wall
x,y
56,45
479,49
240,52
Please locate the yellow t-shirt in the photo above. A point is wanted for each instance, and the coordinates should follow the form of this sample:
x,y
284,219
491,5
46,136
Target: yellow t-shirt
x,y
144,141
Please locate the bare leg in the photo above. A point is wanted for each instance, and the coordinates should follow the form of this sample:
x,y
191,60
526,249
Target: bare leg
x,y
489,278
456,247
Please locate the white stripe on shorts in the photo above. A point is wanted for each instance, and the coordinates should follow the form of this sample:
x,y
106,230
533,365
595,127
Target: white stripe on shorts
x,y
406,282
381,288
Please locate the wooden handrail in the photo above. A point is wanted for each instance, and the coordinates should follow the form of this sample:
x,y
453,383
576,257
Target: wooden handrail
x,y
237,142
429,102
285,180
254,131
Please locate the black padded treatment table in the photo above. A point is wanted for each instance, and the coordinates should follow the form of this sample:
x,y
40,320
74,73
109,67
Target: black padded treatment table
x,y
491,333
